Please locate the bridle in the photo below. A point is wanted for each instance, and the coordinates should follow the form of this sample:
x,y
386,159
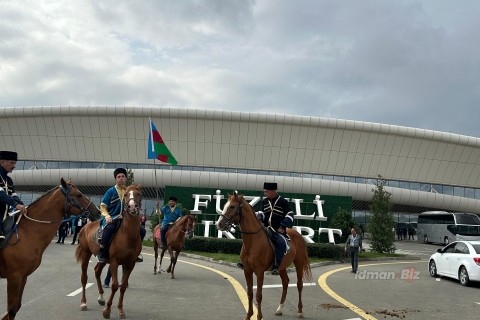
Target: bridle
x,y
239,212
187,231
68,204
131,207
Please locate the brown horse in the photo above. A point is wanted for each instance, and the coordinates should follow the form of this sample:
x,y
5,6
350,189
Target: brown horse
x,y
124,250
36,229
175,239
257,254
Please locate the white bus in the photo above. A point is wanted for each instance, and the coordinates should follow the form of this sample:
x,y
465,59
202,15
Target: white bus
x,y
445,227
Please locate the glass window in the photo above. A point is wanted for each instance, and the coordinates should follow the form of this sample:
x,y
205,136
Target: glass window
x,y
338,178
349,179
476,247
393,183
459,191
404,185
448,190
414,186
470,193
461,248
450,248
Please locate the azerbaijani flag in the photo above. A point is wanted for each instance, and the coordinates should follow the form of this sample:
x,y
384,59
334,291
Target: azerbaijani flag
x,y
157,148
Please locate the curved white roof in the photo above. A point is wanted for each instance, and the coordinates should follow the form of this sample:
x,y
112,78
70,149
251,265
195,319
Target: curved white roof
x,y
240,140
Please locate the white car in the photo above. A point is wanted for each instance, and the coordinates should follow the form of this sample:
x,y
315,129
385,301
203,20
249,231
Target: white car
x,y
459,260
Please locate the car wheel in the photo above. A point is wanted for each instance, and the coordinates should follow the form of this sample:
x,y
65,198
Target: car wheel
x,y
446,241
463,276
425,238
432,267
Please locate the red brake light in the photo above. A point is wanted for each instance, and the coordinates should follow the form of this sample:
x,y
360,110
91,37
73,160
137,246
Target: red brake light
x,y
477,261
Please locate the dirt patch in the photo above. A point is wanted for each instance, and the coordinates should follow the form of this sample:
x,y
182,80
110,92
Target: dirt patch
x,y
396,313
329,306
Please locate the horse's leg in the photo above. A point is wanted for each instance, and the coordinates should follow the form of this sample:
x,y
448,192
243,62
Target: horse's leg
x,y
84,278
15,286
249,280
155,249
98,273
260,275
172,258
285,281
108,307
161,259
123,288
299,269
174,262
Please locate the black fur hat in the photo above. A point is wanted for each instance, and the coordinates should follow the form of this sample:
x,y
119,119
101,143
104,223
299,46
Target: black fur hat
x,y
173,198
270,185
8,155
119,170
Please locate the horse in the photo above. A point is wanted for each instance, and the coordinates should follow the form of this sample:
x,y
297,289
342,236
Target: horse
x,y
175,239
124,249
35,230
257,254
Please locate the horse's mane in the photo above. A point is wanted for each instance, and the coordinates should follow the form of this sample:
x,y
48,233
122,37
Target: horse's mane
x,y
43,196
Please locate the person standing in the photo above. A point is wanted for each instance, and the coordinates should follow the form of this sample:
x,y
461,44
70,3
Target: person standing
x,y
354,240
62,232
111,208
81,221
170,214
8,197
276,215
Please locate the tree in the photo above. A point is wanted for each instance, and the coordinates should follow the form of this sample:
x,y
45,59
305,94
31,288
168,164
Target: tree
x,y
130,177
381,221
343,220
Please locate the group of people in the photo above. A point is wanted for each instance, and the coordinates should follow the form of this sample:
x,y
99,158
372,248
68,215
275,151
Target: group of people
x,y
402,233
71,226
276,213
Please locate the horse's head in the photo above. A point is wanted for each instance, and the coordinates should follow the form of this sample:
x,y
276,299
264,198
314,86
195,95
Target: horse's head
x,y
190,225
232,212
76,202
133,199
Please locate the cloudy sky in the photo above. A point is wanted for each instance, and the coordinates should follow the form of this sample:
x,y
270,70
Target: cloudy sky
x,y
412,63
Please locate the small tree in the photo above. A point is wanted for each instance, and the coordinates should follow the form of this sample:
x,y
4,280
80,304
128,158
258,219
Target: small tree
x,y
381,221
343,220
130,177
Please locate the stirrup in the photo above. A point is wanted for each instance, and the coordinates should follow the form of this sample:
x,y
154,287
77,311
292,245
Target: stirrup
x,y
240,265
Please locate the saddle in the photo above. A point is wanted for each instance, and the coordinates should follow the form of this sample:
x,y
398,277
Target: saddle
x,y
9,227
97,236
270,232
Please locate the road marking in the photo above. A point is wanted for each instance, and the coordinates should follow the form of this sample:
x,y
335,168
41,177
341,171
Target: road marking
x,y
269,286
322,281
74,293
242,294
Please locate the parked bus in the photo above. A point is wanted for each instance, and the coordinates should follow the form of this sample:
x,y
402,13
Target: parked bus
x,y
445,227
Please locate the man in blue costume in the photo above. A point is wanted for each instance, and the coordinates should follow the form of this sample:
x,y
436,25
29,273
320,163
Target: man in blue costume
x,y
8,197
170,214
111,209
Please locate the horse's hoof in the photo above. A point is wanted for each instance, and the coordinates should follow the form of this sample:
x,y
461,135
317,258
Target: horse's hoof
x,y
278,313
83,307
106,314
101,302
300,315
121,315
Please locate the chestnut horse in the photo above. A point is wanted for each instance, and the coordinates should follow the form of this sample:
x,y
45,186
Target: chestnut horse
x,y
36,229
124,249
257,254
175,239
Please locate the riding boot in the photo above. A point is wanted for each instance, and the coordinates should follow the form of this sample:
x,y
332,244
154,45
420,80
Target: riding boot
x,y
1,234
102,255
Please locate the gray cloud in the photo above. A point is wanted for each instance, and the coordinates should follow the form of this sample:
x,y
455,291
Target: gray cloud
x,y
411,63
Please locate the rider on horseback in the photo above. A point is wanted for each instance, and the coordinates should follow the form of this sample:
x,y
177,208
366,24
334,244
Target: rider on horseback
x,y
170,214
8,197
111,208
277,216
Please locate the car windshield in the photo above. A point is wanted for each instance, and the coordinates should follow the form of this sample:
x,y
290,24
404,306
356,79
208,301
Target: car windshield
x,y
476,247
467,219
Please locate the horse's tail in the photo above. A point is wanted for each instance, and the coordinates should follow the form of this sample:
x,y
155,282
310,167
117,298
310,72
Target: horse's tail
x,y
78,253
307,271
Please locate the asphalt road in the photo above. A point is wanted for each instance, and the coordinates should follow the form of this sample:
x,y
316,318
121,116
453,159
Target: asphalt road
x,y
390,289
